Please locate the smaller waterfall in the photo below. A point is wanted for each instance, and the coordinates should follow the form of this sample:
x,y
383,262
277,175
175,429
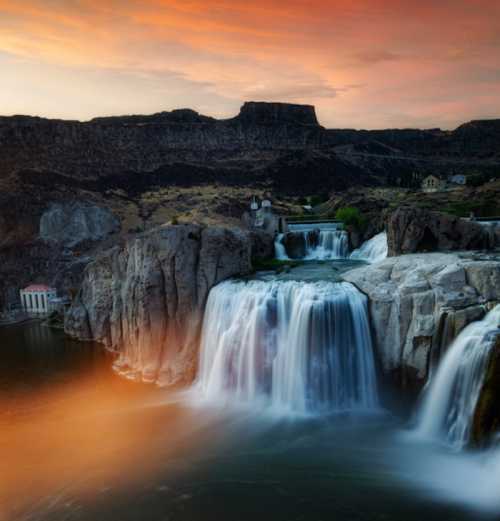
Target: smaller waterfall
x,y
373,250
450,400
318,243
279,248
295,346
330,245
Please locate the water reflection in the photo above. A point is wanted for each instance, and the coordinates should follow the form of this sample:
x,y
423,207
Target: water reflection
x,y
79,443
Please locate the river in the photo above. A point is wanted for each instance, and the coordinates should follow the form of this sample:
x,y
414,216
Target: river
x,y
79,443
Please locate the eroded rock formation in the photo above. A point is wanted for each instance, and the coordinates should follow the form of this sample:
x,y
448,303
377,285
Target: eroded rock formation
x,y
74,222
412,230
418,303
145,300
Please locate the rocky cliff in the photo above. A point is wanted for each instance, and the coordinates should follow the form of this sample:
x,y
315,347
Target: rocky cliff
x,y
419,303
486,421
412,230
72,223
265,142
145,299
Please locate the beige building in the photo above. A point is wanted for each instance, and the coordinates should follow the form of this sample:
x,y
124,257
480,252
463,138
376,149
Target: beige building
x,y
433,184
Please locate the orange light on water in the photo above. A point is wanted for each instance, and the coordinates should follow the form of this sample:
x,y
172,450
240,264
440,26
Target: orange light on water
x,y
84,438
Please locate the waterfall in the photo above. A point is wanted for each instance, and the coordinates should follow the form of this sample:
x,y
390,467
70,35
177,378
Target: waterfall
x,y
318,244
294,346
279,248
330,245
373,250
450,401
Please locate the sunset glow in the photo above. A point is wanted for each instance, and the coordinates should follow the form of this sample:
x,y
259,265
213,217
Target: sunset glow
x,y
367,63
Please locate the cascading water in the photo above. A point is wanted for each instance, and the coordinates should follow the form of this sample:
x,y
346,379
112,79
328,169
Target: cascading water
x,y
330,245
279,248
450,401
373,250
322,241
296,346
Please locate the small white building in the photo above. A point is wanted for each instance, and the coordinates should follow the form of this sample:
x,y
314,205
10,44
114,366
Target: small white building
x,y
36,298
266,205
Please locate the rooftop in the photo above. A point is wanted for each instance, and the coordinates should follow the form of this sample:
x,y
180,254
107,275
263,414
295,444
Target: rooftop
x,y
38,287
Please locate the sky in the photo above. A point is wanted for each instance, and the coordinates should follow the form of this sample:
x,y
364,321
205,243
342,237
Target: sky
x,y
362,63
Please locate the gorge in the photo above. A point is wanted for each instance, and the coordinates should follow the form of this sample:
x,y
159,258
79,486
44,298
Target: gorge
x,y
267,376
276,356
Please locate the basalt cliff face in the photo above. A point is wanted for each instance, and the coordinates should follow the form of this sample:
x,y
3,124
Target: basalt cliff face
x,y
420,302
279,144
413,230
145,299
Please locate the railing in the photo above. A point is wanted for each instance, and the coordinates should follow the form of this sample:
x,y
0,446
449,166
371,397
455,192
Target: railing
x,y
307,219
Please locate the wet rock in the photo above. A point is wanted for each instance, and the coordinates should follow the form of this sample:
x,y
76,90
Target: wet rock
x,y
486,422
295,245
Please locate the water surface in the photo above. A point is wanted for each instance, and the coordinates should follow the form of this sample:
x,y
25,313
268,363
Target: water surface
x,y
79,443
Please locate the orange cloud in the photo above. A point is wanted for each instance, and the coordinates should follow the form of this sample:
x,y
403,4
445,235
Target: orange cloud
x,y
363,63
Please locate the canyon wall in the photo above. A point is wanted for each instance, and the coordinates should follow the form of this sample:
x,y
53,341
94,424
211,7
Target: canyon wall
x,y
145,299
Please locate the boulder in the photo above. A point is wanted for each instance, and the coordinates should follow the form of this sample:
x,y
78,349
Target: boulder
x,y
419,303
295,245
412,230
145,300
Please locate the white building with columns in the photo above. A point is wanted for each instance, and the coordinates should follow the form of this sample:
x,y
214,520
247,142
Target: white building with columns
x,y
36,298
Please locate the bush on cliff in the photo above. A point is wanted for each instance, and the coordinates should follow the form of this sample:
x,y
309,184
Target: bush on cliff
x,y
351,216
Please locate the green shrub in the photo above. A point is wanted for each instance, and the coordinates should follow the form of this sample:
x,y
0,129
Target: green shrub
x,y
351,216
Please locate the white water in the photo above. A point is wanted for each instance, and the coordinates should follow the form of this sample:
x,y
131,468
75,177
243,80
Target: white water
x,y
449,403
373,250
279,248
294,346
331,244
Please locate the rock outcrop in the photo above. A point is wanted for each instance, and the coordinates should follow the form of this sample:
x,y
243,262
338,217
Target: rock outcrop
x,y
74,222
419,303
412,230
295,245
145,300
486,421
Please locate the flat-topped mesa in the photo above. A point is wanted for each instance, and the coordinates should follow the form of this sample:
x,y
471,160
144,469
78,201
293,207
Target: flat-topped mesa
x,y
264,113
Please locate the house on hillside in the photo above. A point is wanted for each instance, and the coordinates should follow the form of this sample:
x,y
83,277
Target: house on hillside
x,y
433,184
